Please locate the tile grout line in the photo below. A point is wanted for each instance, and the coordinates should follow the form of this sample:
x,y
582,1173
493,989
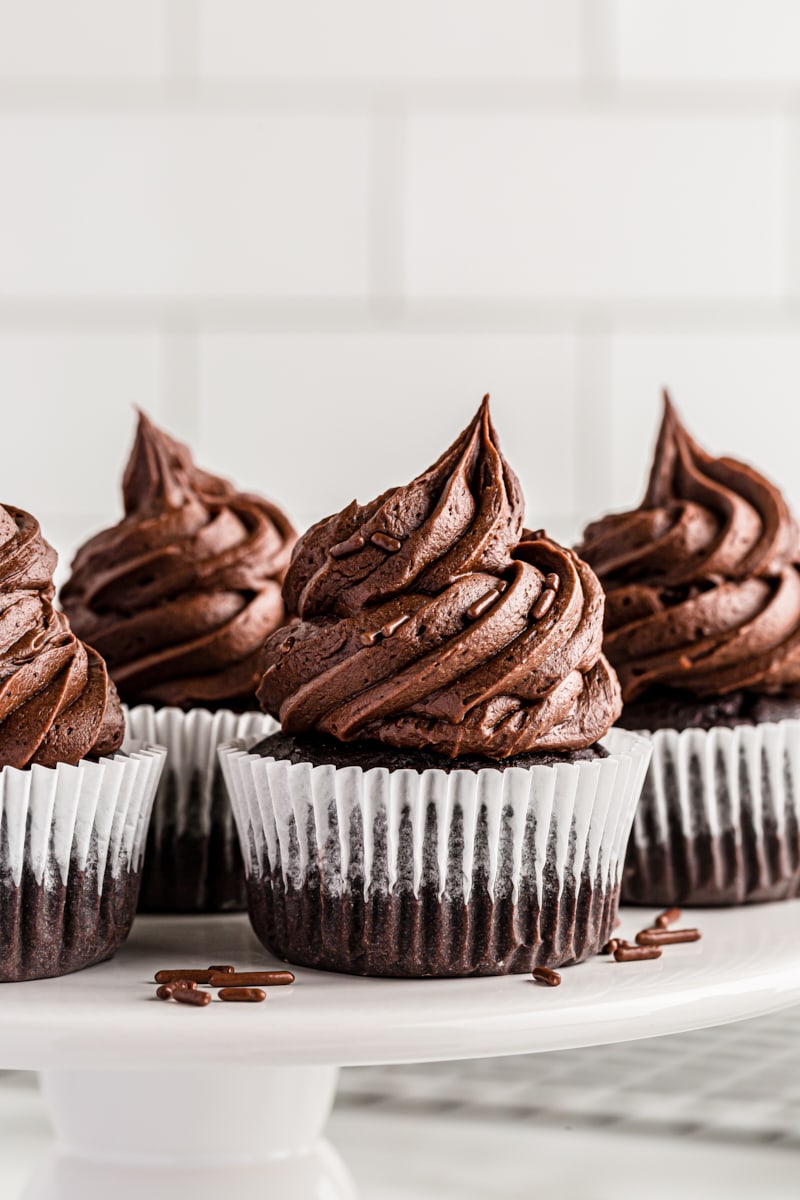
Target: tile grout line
x,y
115,314
182,89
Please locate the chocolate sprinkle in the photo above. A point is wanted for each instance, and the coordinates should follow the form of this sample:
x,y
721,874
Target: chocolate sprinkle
x,y
186,975
384,541
253,979
544,603
185,995
482,605
667,937
243,995
627,953
546,975
392,626
349,546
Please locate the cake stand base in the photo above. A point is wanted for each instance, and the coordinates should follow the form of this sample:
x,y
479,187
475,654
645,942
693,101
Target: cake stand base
x,y
158,1100
201,1132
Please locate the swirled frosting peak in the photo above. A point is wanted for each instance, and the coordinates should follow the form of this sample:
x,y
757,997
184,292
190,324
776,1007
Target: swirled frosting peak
x,y
180,595
423,623
702,582
57,704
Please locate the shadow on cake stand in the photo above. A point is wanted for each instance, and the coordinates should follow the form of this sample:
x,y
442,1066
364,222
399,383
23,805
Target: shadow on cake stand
x,y
157,1099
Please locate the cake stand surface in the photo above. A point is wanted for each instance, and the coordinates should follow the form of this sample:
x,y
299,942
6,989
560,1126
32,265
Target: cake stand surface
x,y
147,1097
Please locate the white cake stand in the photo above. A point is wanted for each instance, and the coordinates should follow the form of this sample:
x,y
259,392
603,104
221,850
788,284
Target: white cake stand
x,y
155,1099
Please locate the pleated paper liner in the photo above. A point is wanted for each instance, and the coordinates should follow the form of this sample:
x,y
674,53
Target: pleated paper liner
x,y
430,873
719,819
193,863
71,846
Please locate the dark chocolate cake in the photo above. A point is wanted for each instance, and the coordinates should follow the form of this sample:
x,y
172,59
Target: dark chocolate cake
x,y
703,627
195,866
58,707
438,639
179,597
54,930
665,709
321,751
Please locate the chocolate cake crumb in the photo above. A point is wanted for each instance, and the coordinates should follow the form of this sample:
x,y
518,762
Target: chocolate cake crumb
x,y
322,751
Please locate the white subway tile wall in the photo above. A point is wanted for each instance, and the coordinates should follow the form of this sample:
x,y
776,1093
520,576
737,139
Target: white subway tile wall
x,y
709,40
68,409
184,206
737,391
419,39
309,237
81,40
595,206
404,395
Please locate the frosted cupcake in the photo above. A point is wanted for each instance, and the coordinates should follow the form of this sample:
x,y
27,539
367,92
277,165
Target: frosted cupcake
x,y
73,811
179,597
703,628
445,797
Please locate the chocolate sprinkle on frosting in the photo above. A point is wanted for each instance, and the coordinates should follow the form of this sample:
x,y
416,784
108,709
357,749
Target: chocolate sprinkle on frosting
x,y
455,677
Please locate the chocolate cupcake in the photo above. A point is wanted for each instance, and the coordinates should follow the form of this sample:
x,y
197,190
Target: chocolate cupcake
x,y
73,810
703,627
179,597
439,801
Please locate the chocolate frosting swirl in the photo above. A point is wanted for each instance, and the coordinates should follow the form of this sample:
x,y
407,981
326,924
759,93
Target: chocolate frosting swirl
x,y
57,704
180,595
423,623
702,580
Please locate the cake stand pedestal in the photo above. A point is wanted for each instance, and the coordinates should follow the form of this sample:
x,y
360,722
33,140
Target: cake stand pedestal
x,y
159,1099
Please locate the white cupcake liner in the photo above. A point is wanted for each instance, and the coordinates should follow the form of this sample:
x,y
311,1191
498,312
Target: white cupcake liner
x,y
193,862
435,873
71,845
719,818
